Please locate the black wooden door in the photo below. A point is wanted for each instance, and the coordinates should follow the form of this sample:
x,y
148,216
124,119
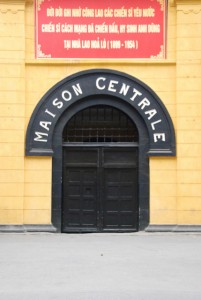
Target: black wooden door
x,y
100,189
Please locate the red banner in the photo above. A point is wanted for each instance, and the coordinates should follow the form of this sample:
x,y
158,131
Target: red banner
x,y
100,29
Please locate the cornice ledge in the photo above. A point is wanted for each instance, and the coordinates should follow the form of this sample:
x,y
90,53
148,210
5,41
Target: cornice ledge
x,y
12,2
187,6
12,6
184,2
172,2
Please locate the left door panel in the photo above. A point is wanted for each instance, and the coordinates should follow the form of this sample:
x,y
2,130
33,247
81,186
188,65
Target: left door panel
x,y
80,190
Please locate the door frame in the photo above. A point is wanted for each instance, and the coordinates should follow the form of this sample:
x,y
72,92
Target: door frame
x,y
143,160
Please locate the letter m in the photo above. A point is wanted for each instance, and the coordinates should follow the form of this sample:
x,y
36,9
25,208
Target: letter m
x,y
40,137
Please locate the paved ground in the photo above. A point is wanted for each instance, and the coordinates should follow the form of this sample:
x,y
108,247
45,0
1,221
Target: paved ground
x,y
100,266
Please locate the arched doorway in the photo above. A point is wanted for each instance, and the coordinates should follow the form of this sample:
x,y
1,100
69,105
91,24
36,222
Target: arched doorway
x,y
130,99
100,171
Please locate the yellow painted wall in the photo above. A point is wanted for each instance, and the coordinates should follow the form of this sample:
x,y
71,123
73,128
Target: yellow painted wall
x,y
12,112
178,201
189,113
25,182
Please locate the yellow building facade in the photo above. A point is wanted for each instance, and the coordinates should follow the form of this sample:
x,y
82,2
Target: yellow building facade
x,y
26,181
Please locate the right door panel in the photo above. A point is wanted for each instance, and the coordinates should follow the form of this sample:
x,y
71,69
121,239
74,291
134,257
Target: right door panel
x,y
120,195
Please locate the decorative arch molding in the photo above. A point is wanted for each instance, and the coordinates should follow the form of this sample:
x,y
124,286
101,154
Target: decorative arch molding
x,y
91,84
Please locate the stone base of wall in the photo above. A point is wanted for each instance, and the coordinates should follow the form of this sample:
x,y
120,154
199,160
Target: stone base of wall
x,y
27,228
50,228
173,228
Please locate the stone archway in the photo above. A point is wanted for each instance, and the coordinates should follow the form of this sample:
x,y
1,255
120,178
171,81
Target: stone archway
x,y
100,87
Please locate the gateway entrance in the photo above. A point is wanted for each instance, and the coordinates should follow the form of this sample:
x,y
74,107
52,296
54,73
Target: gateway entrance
x,y
96,112
100,172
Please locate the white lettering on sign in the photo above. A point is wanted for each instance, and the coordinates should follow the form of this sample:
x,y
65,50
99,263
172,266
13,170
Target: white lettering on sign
x,y
67,28
154,123
39,137
112,85
48,27
145,102
45,125
66,96
124,89
159,136
98,85
57,103
141,102
136,93
151,113
126,26
77,89
50,113
101,84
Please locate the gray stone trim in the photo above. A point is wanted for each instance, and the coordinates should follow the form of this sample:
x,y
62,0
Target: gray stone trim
x,y
40,228
27,228
173,228
188,228
51,228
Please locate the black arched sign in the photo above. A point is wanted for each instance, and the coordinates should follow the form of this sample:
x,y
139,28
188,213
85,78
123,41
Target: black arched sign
x,y
91,84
